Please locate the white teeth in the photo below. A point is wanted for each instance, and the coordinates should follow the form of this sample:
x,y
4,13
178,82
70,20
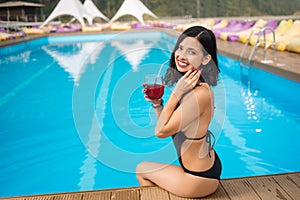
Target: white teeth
x,y
182,63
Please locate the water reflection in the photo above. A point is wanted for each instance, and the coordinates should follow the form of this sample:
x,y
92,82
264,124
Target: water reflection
x,y
92,143
252,163
75,63
88,169
246,125
134,51
23,57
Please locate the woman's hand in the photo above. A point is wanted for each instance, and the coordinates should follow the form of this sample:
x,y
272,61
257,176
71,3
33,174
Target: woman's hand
x,y
155,102
186,83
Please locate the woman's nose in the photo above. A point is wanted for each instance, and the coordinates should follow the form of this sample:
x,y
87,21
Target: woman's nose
x,y
181,55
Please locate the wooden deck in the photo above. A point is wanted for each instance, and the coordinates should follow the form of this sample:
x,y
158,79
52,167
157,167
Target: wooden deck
x,y
283,186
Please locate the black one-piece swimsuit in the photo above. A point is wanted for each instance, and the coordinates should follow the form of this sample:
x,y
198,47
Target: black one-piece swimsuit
x,y
214,172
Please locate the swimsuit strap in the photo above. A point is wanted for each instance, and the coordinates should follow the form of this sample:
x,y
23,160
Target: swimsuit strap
x,y
210,138
200,138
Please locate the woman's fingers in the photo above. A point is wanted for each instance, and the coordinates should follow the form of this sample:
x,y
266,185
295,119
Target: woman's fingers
x,y
196,76
147,98
155,101
187,74
193,77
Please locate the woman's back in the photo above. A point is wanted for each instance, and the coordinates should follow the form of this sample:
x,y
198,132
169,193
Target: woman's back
x,y
192,142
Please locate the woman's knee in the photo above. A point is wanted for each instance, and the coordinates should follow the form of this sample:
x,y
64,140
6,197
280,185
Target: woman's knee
x,y
141,168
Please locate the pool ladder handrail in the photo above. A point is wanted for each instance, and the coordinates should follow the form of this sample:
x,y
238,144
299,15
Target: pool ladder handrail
x,y
258,43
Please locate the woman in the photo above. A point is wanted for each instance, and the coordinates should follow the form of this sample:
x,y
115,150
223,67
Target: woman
x,y
186,117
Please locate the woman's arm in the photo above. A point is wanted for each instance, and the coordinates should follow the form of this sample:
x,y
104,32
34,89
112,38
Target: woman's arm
x,y
192,105
171,120
158,107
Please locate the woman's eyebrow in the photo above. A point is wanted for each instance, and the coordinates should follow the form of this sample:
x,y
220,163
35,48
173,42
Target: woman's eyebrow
x,y
189,48
193,49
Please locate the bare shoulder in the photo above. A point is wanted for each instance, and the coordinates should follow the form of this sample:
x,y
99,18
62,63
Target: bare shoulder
x,y
203,91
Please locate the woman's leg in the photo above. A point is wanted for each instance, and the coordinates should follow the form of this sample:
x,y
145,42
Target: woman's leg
x,y
152,173
173,179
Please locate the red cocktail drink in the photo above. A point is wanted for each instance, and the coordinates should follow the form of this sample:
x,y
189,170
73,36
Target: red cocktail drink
x,y
154,91
154,87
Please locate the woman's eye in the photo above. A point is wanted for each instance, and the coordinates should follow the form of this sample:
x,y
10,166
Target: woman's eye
x,y
180,48
191,52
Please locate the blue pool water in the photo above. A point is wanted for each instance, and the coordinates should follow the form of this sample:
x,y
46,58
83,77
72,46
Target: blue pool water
x,y
73,118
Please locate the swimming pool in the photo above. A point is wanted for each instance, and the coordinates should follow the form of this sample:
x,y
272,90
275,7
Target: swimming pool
x,y
73,116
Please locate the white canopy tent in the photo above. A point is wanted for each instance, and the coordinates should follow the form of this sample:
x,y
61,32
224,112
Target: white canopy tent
x,y
68,7
76,9
93,11
134,8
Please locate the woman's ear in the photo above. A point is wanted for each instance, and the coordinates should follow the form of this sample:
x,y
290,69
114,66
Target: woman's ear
x,y
206,59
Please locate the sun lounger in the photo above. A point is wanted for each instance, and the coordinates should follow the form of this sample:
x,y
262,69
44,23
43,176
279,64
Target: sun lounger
x,y
182,27
68,28
242,26
141,26
208,23
33,31
294,45
230,25
279,31
290,36
257,28
245,33
5,36
269,27
95,28
223,23
117,26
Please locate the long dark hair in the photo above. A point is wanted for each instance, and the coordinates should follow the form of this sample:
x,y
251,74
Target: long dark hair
x,y
210,71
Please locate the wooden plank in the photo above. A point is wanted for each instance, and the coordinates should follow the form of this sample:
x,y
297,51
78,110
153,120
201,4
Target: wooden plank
x,y
37,197
71,196
150,193
103,195
174,197
128,194
268,189
289,185
295,178
220,194
47,197
239,189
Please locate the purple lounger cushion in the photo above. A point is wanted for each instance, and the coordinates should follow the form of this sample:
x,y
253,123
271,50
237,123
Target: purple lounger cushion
x,y
271,23
235,36
141,26
230,25
68,28
242,26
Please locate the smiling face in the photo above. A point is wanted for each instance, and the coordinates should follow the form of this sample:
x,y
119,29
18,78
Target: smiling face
x,y
189,55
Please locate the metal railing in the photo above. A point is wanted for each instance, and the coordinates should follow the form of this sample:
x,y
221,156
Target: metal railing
x,y
258,43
